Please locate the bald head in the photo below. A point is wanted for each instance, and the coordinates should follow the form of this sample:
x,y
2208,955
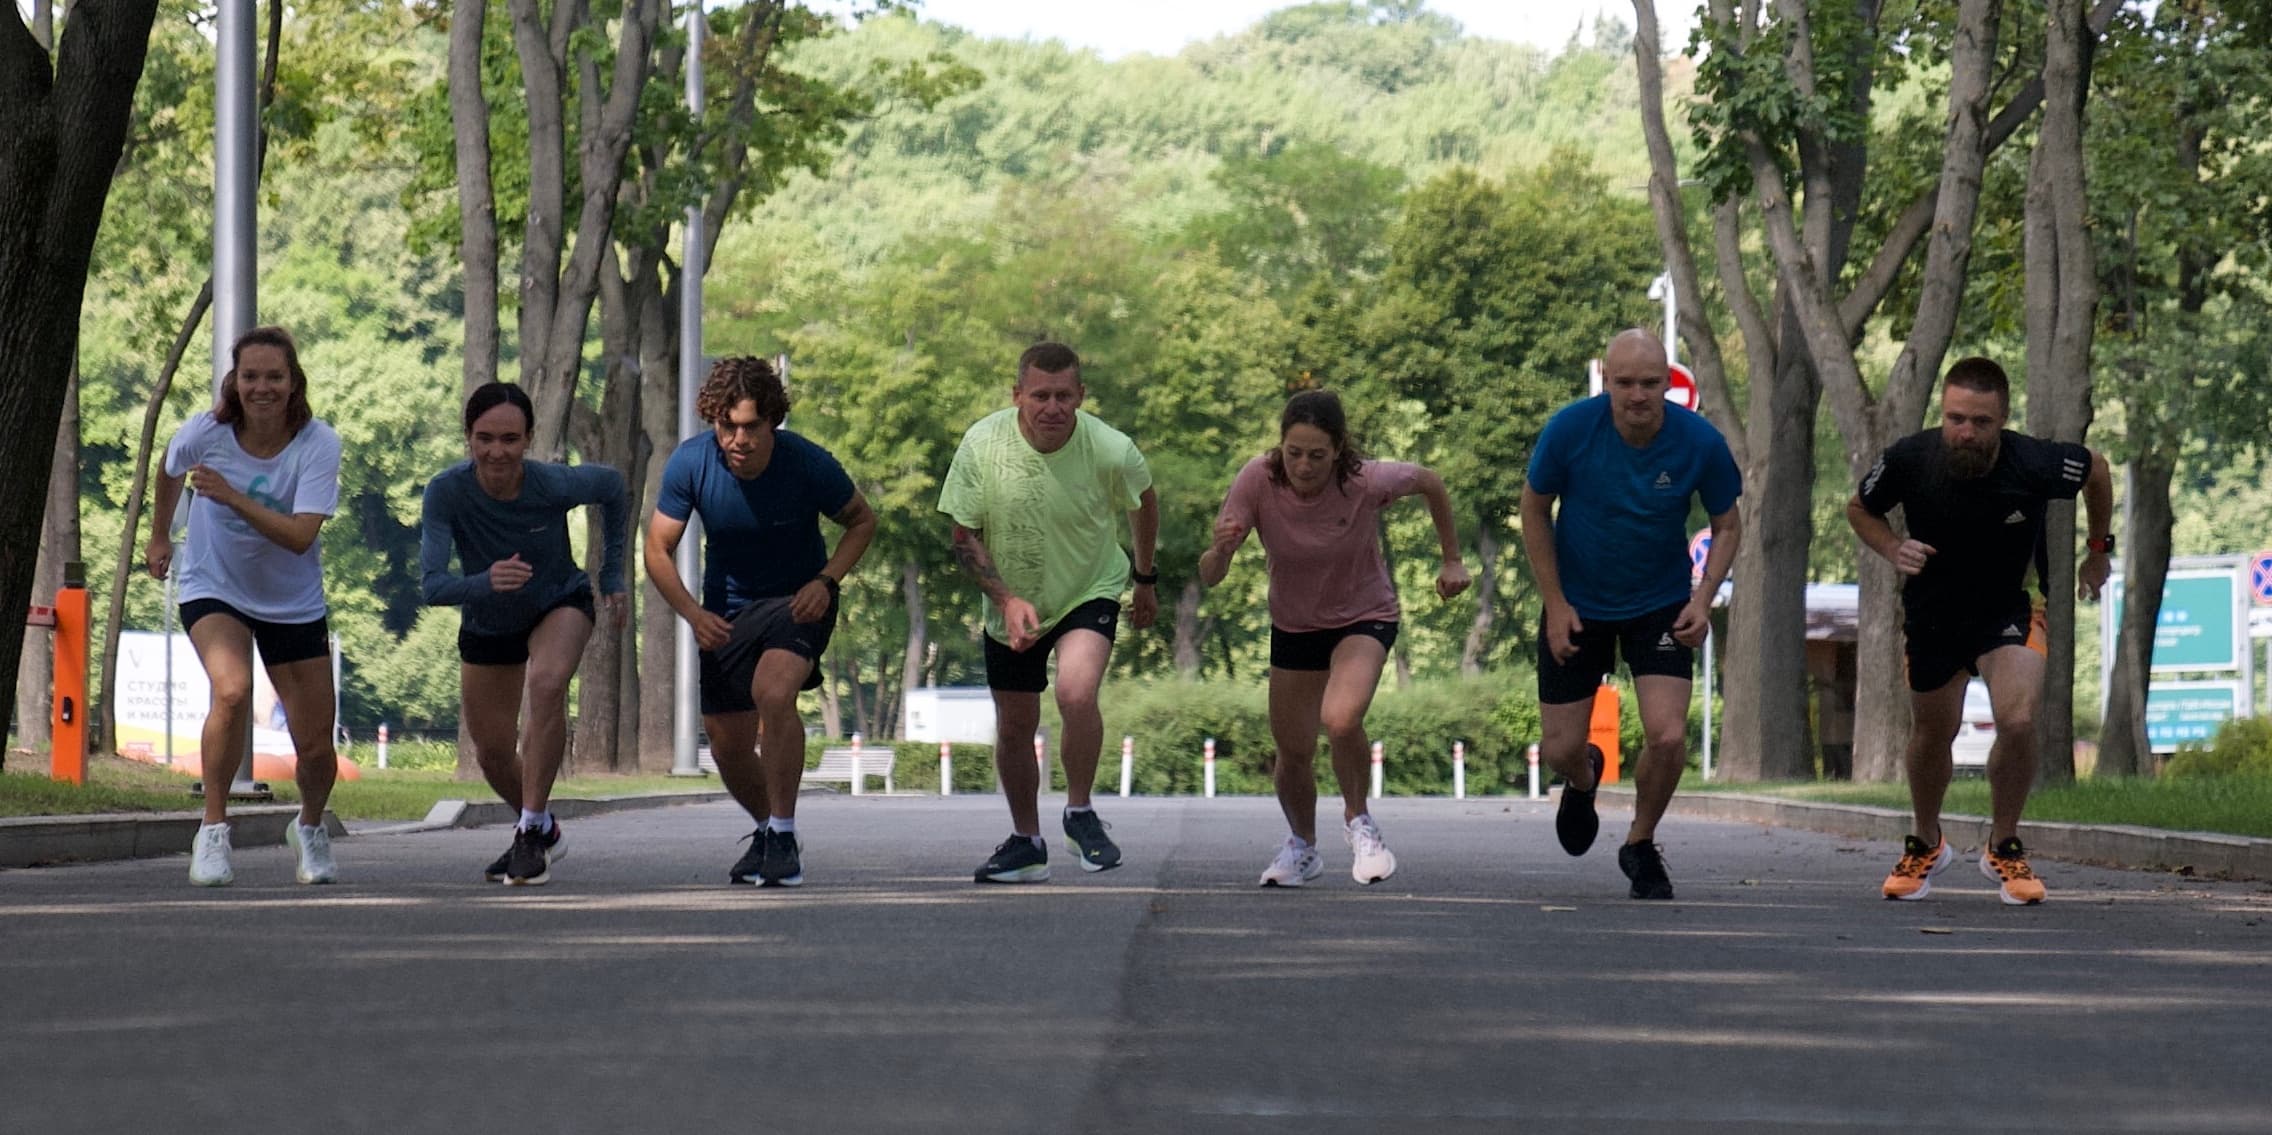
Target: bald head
x,y
1635,350
1633,376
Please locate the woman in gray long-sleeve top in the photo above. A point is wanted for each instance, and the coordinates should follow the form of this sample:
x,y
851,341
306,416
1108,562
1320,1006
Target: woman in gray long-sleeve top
x,y
527,608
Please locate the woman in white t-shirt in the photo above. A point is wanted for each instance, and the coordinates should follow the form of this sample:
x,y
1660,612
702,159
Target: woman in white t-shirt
x,y
266,475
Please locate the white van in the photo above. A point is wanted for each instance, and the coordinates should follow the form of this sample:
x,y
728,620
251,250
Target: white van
x,y
1978,730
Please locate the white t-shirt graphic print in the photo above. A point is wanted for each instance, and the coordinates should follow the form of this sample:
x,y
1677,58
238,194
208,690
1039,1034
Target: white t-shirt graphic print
x,y
225,558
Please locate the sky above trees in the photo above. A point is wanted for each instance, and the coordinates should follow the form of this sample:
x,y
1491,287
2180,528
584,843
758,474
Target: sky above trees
x,y
1163,27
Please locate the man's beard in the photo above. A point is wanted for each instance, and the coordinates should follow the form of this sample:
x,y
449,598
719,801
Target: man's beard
x,y
1968,463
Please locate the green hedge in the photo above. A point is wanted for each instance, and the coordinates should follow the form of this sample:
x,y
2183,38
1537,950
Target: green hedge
x,y
2242,747
1170,721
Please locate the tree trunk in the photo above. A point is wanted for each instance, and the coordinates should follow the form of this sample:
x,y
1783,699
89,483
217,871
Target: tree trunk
x,y
1881,681
1764,734
63,124
477,202
124,567
2122,746
1486,601
610,438
1190,630
2062,310
59,542
918,637
557,301
831,705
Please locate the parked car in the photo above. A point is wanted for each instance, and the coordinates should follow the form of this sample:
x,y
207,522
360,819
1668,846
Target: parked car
x,y
1977,732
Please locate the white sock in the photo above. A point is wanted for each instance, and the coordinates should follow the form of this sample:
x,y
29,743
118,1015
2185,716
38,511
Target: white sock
x,y
538,822
1033,839
1083,808
781,823
1299,843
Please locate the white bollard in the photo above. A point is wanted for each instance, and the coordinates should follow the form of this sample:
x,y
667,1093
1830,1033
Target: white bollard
x,y
1127,764
1041,760
946,768
1532,757
1459,770
382,744
856,778
1376,772
1207,764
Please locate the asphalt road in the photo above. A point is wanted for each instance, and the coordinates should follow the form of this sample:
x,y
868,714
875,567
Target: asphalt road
x,y
1493,985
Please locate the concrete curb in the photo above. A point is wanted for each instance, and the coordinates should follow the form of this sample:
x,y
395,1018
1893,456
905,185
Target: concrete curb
x,y
32,841
2113,845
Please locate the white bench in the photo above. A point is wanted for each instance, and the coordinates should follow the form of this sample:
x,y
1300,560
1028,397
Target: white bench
x,y
874,761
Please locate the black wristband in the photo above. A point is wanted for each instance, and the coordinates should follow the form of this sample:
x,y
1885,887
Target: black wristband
x,y
1144,577
833,586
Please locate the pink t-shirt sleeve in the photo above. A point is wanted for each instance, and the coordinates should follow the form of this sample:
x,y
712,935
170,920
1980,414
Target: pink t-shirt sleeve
x,y
1387,481
1244,502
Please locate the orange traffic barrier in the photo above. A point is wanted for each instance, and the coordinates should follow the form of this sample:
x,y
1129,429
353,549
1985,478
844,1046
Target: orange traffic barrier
x,y
1602,731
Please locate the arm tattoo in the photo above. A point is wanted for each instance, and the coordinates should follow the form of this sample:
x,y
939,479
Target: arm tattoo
x,y
980,565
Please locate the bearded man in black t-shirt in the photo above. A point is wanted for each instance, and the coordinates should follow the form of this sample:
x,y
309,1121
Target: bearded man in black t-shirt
x,y
1973,495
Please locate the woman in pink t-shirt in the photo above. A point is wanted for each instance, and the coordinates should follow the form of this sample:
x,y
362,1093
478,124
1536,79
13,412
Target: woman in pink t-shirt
x,y
1315,501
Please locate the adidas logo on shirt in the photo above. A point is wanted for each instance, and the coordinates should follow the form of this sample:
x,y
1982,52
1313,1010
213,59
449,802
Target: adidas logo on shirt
x,y
2017,517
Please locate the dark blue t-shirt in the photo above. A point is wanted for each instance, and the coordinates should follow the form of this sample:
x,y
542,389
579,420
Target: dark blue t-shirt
x,y
761,537
1621,536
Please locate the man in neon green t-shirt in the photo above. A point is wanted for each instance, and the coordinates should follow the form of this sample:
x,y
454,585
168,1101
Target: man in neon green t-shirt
x,y
1035,493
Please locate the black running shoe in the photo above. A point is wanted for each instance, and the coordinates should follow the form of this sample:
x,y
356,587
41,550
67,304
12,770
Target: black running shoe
x,y
1098,852
1575,822
1018,860
1644,863
553,852
525,863
780,867
751,866
495,872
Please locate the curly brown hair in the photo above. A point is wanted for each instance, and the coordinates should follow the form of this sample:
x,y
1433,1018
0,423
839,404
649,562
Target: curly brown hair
x,y
231,408
739,379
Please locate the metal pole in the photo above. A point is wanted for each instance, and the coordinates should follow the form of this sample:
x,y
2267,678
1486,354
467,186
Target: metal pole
x,y
685,671
1707,703
1662,288
236,135
169,644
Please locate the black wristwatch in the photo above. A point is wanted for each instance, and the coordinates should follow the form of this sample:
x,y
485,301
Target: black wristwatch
x,y
2101,543
833,586
1146,578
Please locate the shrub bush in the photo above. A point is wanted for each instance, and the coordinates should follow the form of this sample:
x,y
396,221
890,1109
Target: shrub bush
x,y
1170,721
2242,747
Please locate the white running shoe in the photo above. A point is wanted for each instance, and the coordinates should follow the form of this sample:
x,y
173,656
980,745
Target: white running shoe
x,y
314,846
1371,860
1297,863
209,856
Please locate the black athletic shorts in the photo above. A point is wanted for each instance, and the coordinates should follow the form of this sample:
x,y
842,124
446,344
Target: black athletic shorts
x,y
1936,652
513,649
1313,650
1645,641
763,625
279,643
1027,671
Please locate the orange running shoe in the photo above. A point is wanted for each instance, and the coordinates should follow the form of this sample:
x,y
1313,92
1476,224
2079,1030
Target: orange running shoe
x,y
2006,864
1912,878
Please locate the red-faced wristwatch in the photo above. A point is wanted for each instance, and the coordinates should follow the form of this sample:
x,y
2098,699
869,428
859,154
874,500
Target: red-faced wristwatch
x,y
2103,544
